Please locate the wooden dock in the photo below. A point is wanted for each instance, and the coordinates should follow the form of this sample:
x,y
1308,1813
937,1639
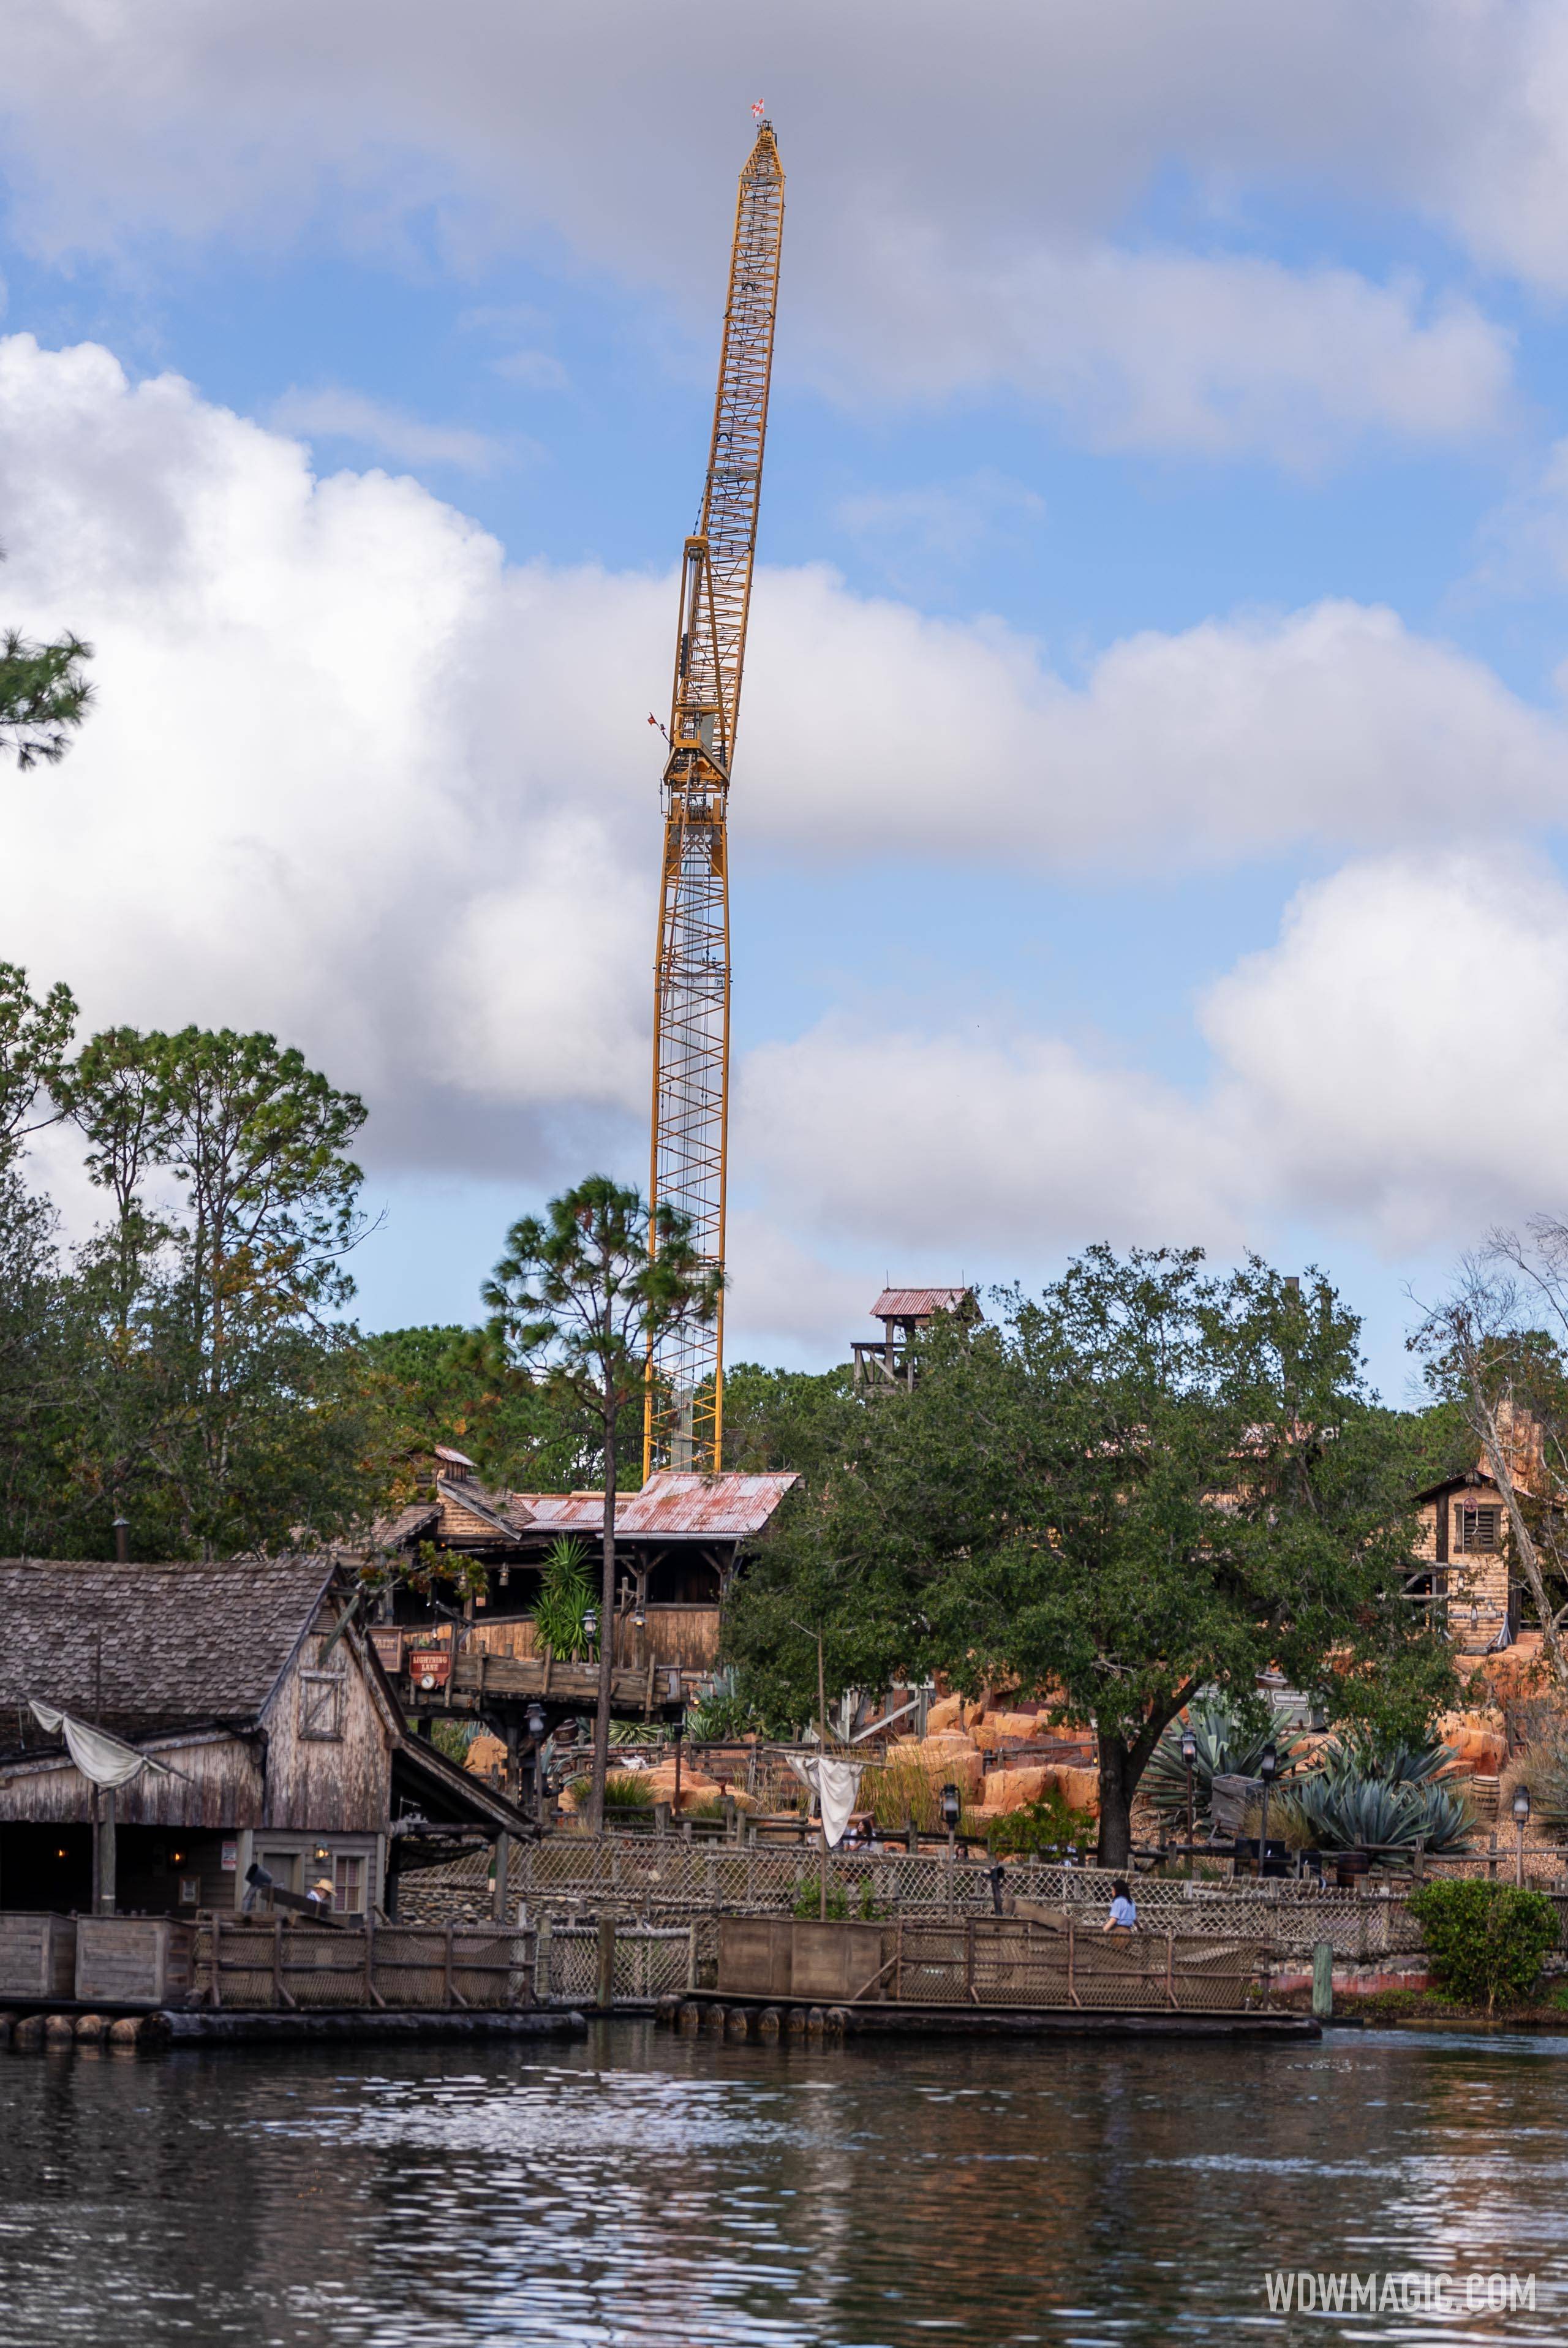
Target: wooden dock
x,y
768,2023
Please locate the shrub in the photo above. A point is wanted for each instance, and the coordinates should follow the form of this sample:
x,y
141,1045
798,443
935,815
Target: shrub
x,y
565,1597
903,1787
867,1908
808,1905
1542,1766
627,1789
721,1719
1049,1824
1486,1940
452,1738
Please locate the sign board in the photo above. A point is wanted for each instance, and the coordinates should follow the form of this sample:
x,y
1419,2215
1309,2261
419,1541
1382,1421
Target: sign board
x,y
430,1667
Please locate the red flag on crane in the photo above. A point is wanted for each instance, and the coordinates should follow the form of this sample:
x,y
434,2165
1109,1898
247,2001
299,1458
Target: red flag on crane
x,y
758,109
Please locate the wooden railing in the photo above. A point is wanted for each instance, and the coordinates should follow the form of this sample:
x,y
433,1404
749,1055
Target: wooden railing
x,y
274,1964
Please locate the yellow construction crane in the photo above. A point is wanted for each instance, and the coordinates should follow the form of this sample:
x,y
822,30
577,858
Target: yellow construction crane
x,y
685,1417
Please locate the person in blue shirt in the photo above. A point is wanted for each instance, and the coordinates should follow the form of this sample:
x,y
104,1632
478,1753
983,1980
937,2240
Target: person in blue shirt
x,y
1123,1916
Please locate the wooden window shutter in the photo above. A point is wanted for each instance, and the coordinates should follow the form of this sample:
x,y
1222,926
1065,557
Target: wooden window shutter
x,y
322,1697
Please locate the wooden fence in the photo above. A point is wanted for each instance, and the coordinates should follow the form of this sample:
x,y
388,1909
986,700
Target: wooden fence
x,y
665,1879
975,1961
274,1964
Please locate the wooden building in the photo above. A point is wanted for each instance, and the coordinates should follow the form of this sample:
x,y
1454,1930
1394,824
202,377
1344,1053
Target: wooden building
x,y
1465,1570
279,1740
679,1540
880,1363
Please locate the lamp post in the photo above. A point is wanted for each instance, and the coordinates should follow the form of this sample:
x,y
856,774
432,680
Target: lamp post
x,y
951,1811
533,1720
1520,1820
1268,1771
1190,1755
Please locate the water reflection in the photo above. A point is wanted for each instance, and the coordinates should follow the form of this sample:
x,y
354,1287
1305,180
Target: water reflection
x,y
638,2188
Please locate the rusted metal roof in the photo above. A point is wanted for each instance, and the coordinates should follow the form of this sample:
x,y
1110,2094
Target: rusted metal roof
x,y
917,1303
454,1458
670,1506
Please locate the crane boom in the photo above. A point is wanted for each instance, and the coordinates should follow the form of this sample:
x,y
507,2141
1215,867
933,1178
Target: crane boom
x,y
684,1416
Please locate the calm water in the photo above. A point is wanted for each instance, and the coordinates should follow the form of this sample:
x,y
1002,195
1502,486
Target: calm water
x,y
636,2188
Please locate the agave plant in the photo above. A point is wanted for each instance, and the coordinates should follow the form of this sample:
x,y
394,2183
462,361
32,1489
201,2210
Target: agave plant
x,y
1357,1754
565,1594
1225,1749
1341,1809
721,1718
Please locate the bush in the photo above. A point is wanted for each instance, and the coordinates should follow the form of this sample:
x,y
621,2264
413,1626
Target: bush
x,y
627,1789
721,1719
867,1909
1486,1940
452,1738
808,1906
1049,1824
561,1609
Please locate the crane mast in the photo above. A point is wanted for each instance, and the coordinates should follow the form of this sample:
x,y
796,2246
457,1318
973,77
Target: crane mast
x,y
684,1423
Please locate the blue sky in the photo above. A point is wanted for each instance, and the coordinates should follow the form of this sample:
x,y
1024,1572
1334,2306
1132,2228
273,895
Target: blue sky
x,y
1148,813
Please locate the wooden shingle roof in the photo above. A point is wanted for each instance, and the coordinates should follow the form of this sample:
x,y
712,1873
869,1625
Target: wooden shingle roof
x,y
142,1648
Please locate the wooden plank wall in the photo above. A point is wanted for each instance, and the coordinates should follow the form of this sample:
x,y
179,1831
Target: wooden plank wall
x,y
221,1785
342,1785
687,1636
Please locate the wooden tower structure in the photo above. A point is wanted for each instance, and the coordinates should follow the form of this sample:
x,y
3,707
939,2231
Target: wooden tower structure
x,y
685,1415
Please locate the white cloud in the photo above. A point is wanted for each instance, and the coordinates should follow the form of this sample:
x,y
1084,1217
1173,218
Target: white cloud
x,y
930,531
1399,1060
534,370
954,204
353,777
1202,354
334,413
1393,1071
1233,739
325,787
980,1142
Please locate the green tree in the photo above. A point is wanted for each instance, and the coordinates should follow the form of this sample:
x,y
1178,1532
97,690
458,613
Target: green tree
x,y
525,1432
583,1295
218,1392
44,696
1151,1481
782,1419
35,1036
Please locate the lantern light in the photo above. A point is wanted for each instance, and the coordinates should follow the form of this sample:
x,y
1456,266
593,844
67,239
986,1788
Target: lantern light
x,y
590,1623
535,1719
1522,1804
1268,1762
1189,1747
951,1807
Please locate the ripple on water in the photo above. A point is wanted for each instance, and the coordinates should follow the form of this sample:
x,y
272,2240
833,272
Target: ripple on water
x,y
676,2194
